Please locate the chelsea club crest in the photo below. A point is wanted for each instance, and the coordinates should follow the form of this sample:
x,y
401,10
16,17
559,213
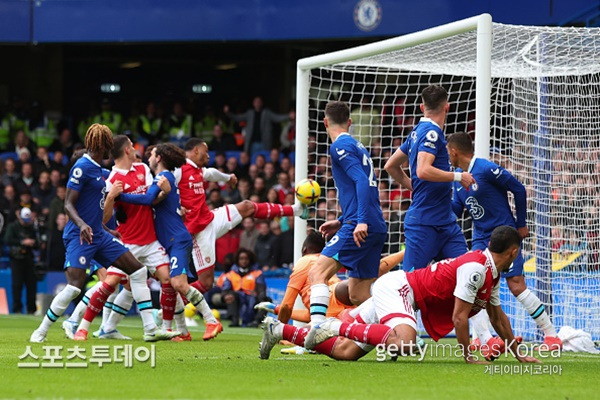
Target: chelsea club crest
x,y
367,14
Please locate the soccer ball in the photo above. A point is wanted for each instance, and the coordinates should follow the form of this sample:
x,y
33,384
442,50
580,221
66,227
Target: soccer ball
x,y
308,191
189,310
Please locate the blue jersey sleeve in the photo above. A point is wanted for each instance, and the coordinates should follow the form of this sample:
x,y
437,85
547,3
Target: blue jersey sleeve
x,y
504,179
430,143
77,178
145,199
405,146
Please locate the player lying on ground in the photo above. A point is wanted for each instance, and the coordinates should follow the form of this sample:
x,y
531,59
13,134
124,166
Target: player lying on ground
x,y
207,226
87,238
172,233
447,293
299,284
487,203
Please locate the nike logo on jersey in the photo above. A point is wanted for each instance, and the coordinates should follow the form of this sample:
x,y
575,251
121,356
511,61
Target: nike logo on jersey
x,y
340,152
98,178
496,172
458,189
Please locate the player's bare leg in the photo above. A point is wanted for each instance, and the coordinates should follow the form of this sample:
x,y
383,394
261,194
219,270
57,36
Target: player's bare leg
x,y
75,282
319,275
70,325
535,308
359,290
213,326
206,279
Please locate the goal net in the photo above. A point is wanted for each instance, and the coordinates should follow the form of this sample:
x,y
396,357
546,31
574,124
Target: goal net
x,y
544,127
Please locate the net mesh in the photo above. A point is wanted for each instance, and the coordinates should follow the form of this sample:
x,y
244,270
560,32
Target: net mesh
x,y
545,122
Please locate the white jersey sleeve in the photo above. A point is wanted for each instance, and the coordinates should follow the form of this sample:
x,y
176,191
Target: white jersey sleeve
x,y
177,174
495,297
214,175
469,279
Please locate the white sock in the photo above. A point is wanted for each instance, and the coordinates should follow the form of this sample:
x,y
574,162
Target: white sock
x,y
58,306
107,309
481,325
82,305
121,306
298,209
141,295
536,309
196,298
319,301
278,330
179,316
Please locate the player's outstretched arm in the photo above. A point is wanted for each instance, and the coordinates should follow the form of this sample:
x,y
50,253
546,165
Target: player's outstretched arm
x,y
145,199
460,318
393,166
506,181
214,175
501,325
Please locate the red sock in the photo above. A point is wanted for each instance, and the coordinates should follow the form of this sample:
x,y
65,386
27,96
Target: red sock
x,y
372,334
185,301
168,298
297,335
272,210
97,301
199,286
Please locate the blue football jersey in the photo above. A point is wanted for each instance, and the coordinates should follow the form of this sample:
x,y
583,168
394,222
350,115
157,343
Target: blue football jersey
x,y
169,226
86,177
356,183
487,200
431,201
112,222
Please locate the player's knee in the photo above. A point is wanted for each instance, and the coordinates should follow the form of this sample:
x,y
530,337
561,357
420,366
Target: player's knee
x,y
178,285
516,284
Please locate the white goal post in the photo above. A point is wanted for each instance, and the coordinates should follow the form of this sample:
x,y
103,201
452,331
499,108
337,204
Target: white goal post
x,y
530,96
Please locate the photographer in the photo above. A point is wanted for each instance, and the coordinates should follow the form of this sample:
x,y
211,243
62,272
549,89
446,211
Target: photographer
x,y
21,236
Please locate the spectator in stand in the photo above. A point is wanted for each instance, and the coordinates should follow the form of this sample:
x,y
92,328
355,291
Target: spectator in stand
x,y
273,196
220,162
264,250
21,236
244,189
65,143
284,245
43,162
286,164
179,124
25,201
259,189
55,178
151,124
233,167
24,156
206,124
10,174
214,199
40,129
274,159
109,117
57,206
43,192
244,164
249,234
252,172
283,186
258,134
221,141
269,175
366,122
55,258
26,180
288,134
22,142
242,288
260,162
8,205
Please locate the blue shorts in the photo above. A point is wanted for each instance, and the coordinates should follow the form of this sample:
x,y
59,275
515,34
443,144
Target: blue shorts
x,y
105,249
516,269
179,258
361,262
431,243
94,266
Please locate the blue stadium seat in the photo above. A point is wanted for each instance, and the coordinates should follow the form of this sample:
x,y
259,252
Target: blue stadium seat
x,y
212,155
233,153
264,153
7,155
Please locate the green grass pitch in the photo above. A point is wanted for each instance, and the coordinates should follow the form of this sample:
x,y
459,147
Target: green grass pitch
x,y
228,368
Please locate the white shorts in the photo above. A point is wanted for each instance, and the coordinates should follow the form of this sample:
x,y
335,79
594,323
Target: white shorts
x,y
203,251
152,255
394,300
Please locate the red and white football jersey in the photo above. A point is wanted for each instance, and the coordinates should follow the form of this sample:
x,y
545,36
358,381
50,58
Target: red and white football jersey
x,y
472,277
193,198
139,227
